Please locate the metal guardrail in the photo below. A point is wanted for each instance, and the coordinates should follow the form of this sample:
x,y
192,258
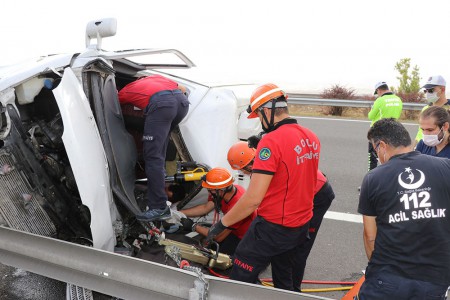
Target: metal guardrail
x,y
296,99
119,275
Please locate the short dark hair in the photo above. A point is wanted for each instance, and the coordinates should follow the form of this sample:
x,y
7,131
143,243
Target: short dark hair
x,y
389,131
281,110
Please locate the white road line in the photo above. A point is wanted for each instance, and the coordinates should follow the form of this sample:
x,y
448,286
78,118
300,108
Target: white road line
x,y
333,215
345,120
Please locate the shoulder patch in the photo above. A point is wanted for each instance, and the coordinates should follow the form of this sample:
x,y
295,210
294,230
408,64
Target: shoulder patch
x,y
264,154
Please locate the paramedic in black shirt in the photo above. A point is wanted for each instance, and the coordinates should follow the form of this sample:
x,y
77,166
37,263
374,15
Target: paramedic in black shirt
x,y
405,204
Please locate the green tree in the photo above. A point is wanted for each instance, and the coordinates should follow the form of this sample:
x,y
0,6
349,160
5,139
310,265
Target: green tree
x,y
409,81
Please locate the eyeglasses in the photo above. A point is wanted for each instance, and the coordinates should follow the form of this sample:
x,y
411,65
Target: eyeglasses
x,y
429,90
375,150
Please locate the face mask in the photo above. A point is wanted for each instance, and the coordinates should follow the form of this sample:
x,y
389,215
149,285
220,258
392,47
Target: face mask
x,y
432,97
432,140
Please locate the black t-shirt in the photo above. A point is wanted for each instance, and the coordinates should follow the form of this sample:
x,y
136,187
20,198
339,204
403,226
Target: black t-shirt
x,y
410,197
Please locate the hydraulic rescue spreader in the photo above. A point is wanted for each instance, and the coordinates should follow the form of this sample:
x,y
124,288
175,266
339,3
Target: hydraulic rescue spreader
x,y
189,175
198,254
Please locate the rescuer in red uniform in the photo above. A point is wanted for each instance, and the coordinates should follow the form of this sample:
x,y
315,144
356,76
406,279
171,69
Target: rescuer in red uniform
x,y
223,195
164,105
241,157
281,189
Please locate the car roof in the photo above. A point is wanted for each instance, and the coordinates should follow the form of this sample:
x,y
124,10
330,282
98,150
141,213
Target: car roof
x,y
14,75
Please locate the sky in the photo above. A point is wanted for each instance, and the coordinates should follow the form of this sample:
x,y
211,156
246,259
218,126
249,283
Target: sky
x,y
302,46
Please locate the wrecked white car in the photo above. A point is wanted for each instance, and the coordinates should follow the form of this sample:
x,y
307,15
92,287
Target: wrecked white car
x,y
71,168
70,155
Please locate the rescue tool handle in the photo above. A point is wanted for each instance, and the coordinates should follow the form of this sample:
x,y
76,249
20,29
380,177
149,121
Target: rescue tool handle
x,y
207,251
185,176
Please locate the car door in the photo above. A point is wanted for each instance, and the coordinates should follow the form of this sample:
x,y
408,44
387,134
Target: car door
x,y
87,157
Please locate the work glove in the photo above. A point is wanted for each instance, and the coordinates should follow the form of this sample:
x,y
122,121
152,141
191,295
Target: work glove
x,y
214,231
170,227
187,224
254,140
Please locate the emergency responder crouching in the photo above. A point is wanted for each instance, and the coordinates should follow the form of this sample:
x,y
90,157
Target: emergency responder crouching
x,y
223,195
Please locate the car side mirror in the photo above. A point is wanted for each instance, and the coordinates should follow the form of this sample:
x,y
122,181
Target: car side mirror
x,y
99,29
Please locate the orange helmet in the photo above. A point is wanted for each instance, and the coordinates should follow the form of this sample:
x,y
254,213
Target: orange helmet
x,y
262,95
240,155
217,178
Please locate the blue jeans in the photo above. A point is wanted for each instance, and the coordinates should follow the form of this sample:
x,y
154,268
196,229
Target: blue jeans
x,y
164,112
383,285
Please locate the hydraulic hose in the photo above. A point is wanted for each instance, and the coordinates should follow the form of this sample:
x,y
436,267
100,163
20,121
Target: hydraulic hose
x,y
344,288
329,282
217,274
267,282
318,281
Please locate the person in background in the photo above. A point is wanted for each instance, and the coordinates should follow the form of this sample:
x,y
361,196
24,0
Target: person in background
x,y
164,104
405,204
223,195
241,157
387,105
434,123
281,189
434,90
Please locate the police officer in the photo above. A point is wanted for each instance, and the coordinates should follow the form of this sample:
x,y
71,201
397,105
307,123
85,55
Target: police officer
x,y
434,90
387,105
281,188
165,105
405,205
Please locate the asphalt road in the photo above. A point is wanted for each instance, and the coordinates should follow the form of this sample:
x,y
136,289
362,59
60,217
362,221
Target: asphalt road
x,y
338,253
18,284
